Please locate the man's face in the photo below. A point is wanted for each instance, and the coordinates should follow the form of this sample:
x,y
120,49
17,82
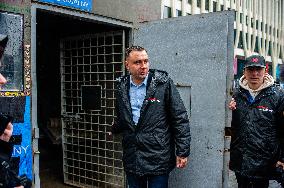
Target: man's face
x,y
254,76
137,63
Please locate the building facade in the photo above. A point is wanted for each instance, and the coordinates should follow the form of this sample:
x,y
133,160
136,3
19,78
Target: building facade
x,y
259,26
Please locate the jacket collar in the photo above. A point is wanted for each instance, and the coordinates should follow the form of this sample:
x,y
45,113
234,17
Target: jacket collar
x,y
263,93
155,77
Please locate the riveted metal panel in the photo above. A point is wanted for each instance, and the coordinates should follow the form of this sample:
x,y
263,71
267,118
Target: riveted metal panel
x,y
197,51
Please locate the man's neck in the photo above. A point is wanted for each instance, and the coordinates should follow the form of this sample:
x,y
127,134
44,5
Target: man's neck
x,y
138,82
254,86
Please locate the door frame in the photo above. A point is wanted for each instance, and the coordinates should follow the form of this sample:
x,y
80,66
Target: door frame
x,y
34,112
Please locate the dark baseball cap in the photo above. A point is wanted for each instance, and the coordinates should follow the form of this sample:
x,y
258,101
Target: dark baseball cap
x,y
255,61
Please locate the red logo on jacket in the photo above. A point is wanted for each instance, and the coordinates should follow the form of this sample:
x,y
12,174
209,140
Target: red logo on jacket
x,y
264,108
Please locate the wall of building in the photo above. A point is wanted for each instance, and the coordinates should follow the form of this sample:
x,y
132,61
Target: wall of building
x,y
259,24
15,96
133,11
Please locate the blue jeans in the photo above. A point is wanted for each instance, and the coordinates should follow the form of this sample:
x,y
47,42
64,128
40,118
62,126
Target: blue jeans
x,y
153,181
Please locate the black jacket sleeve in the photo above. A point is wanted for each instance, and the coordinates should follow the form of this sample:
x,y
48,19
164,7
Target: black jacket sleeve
x,y
179,122
8,178
115,124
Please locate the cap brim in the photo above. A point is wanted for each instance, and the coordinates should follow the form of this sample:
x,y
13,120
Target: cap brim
x,y
263,66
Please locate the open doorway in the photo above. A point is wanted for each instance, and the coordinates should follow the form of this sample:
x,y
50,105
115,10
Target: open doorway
x,y
78,167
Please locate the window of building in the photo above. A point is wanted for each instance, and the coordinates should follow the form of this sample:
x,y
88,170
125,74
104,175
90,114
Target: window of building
x,y
241,43
214,6
167,12
269,48
199,3
178,12
256,49
190,2
207,5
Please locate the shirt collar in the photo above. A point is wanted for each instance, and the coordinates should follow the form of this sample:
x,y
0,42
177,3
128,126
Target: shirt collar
x,y
144,81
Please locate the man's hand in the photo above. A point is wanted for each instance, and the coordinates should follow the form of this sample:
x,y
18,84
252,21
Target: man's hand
x,y
280,164
20,186
7,133
181,162
232,104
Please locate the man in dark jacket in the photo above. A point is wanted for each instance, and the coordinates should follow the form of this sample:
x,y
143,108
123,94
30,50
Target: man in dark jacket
x,y
153,121
257,126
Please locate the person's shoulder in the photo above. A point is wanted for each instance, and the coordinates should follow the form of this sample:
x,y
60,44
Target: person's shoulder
x,y
238,90
277,88
122,78
159,75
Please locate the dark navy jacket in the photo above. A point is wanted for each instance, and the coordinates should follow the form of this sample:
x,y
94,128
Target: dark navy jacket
x,y
257,132
149,146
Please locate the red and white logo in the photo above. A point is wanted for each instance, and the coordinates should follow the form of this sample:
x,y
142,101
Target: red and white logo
x,y
264,108
255,60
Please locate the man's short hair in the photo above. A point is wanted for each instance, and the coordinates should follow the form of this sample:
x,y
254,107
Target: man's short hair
x,y
133,48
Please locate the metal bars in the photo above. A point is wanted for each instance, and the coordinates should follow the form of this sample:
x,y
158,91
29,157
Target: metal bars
x,y
91,157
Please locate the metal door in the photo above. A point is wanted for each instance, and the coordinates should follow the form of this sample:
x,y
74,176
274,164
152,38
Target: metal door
x,y
197,51
89,66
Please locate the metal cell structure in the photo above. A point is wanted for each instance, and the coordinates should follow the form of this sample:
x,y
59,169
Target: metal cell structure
x,y
91,158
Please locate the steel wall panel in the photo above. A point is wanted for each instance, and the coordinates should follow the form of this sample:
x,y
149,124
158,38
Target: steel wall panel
x,y
197,51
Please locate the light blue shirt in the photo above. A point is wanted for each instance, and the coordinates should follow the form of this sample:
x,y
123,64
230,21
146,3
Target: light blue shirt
x,y
137,95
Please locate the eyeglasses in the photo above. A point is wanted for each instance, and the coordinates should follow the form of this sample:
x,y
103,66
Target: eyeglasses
x,y
133,48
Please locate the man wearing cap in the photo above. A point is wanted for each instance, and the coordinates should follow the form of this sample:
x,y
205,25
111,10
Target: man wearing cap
x,y
257,147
